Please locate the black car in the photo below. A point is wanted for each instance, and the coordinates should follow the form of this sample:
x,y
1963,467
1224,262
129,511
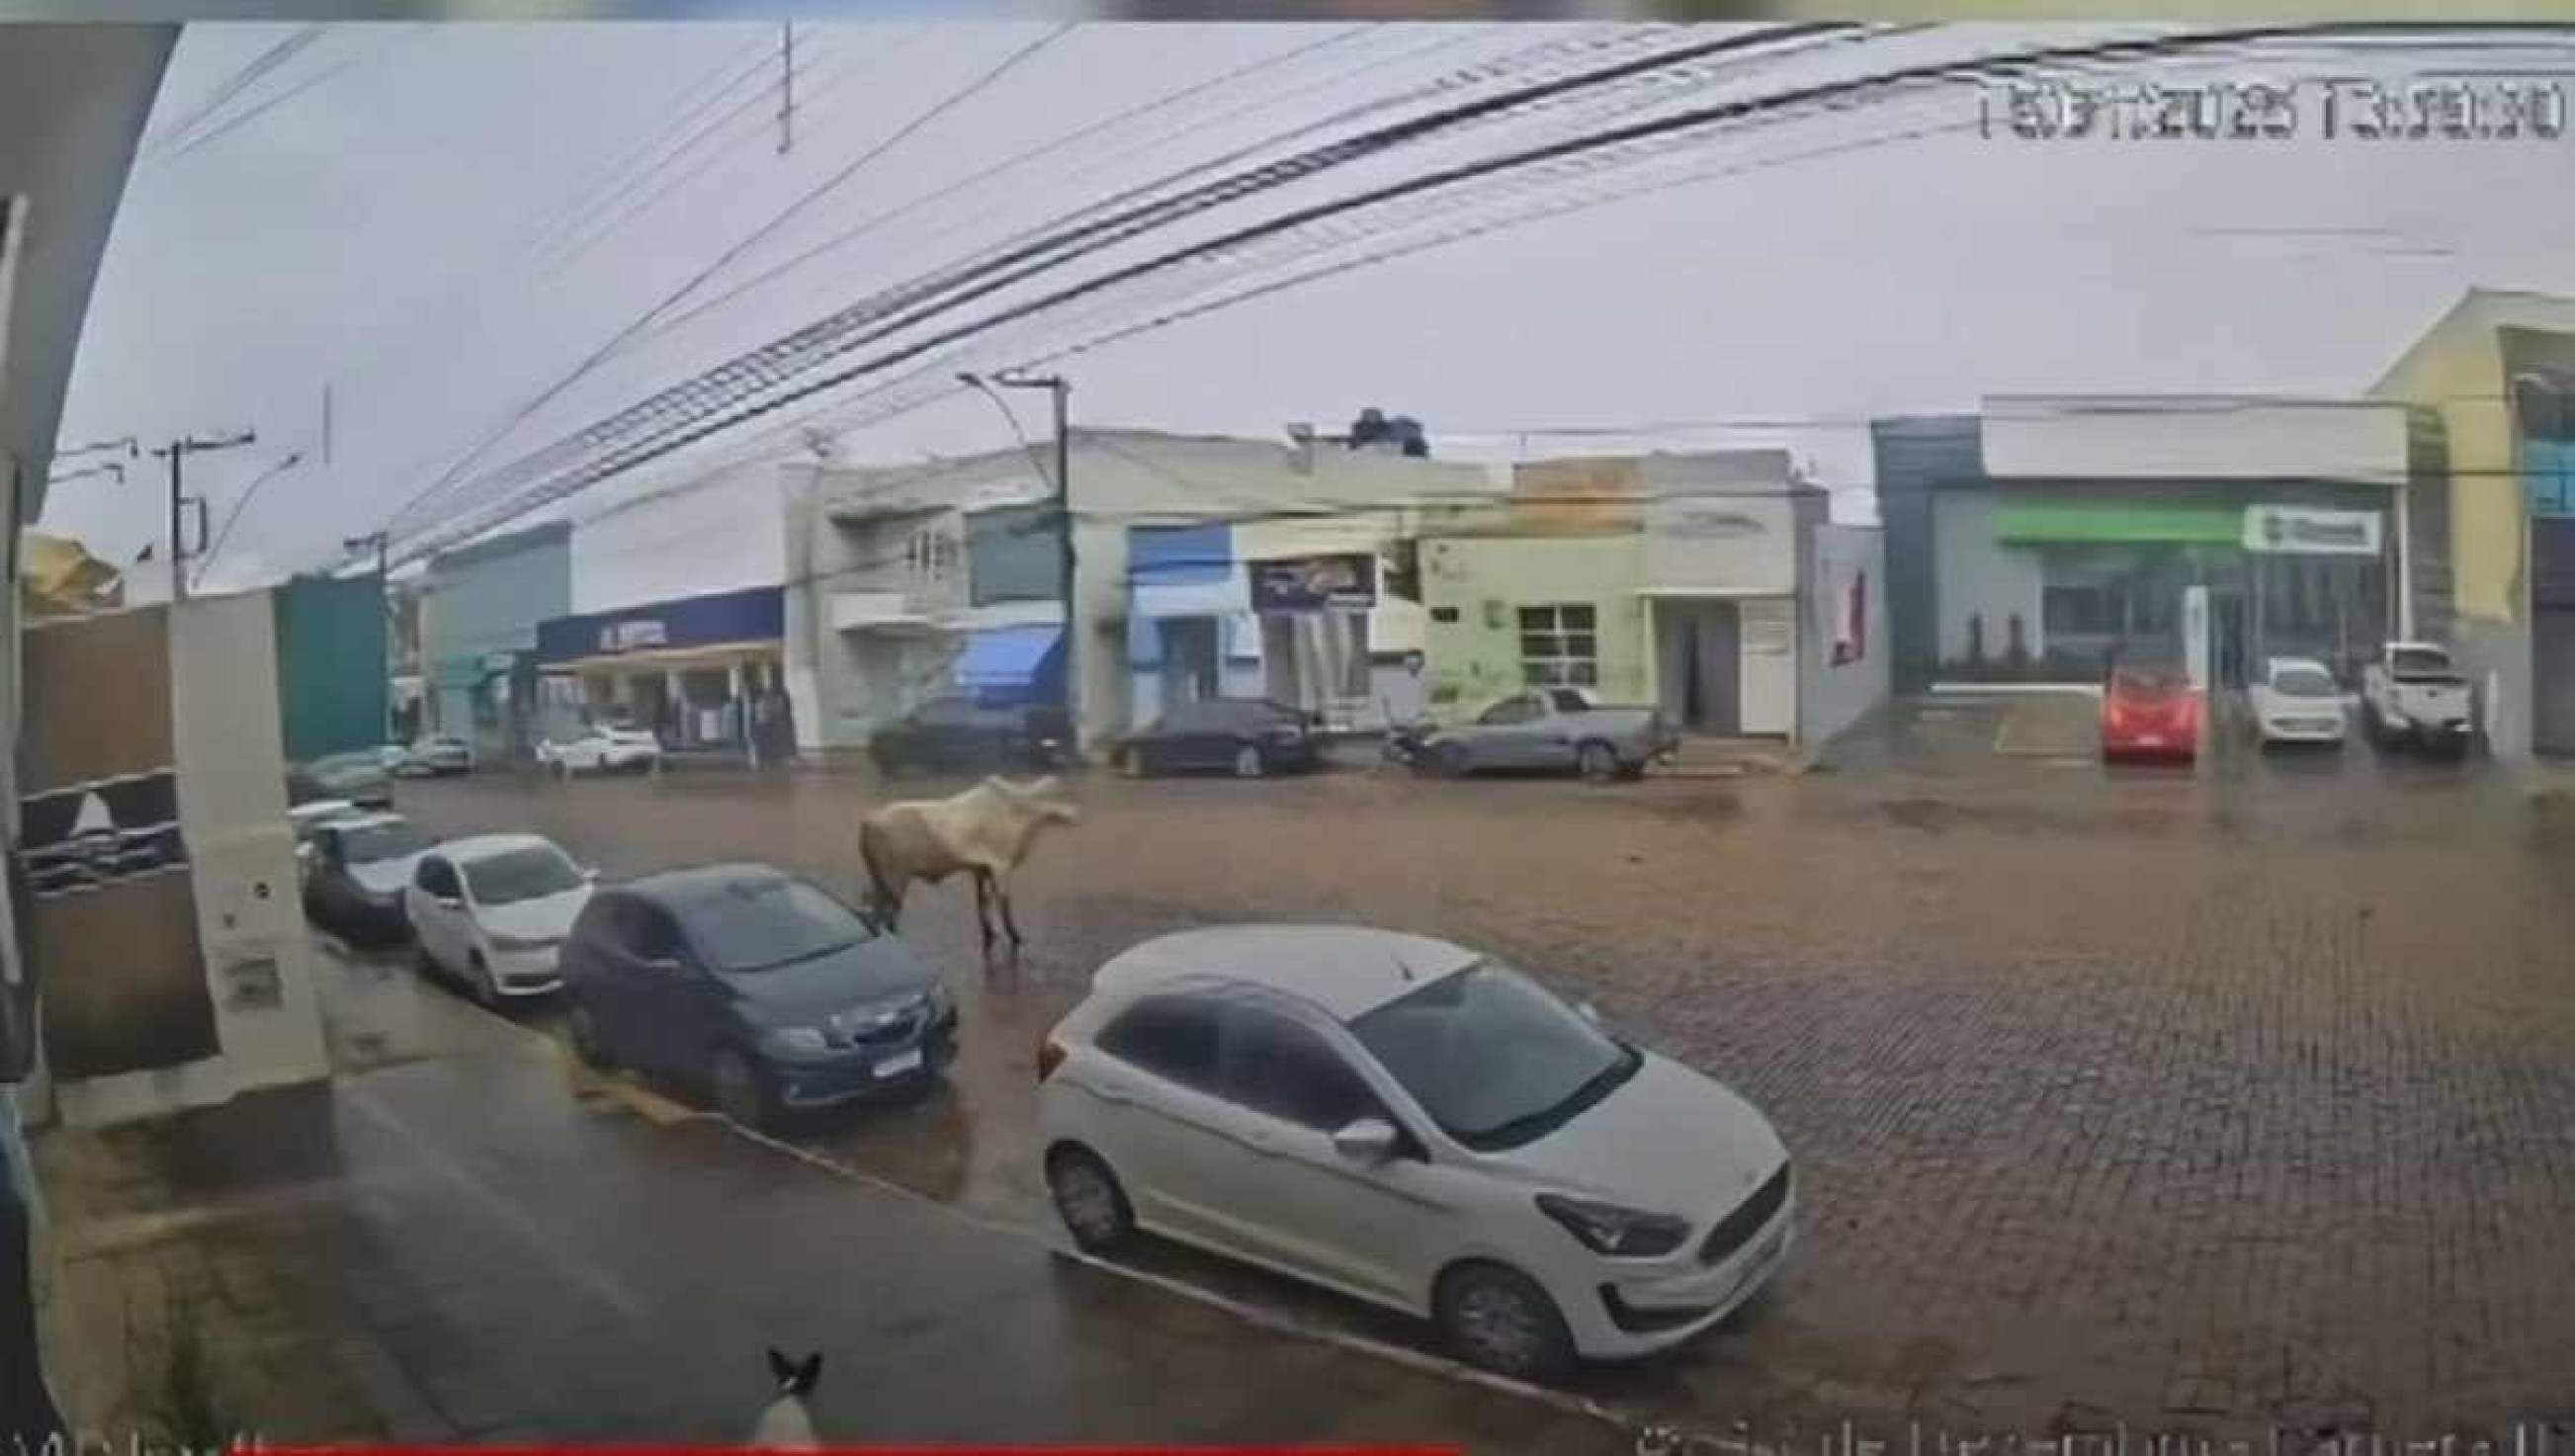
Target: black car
x,y
756,986
1247,737
960,732
354,877
359,778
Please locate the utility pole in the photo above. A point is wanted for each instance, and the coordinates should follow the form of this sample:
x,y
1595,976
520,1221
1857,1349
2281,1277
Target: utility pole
x,y
178,451
1060,390
786,86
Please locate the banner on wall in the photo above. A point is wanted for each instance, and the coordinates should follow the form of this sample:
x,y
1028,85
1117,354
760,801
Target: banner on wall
x,y
1851,621
1345,582
110,911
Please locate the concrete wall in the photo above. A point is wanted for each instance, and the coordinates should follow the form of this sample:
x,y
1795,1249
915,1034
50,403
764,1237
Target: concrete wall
x,y
720,533
1976,575
1724,521
1833,695
331,669
1485,579
1912,458
2457,371
2105,438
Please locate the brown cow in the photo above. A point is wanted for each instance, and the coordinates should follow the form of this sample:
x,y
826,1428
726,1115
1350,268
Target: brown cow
x,y
985,831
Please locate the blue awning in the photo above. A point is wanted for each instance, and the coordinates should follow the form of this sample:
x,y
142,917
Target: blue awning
x,y
1006,657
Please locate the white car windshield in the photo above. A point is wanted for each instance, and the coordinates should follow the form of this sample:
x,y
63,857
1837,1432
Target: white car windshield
x,y
2303,683
1494,1059
530,872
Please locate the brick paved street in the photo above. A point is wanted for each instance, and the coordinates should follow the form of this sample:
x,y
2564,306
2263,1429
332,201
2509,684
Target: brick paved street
x,y
2240,1095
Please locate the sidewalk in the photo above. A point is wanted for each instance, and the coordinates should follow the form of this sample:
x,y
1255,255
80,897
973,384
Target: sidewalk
x,y
459,1248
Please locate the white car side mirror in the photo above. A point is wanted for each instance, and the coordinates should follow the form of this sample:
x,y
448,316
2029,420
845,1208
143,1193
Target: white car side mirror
x,y
1368,1140
1589,1012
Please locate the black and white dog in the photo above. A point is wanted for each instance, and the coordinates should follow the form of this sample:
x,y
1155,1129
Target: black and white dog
x,y
787,1423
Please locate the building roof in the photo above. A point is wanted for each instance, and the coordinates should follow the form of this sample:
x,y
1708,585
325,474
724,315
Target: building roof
x,y
1347,970
2479,310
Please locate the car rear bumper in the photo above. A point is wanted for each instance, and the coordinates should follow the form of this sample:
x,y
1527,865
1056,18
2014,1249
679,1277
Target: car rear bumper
x,y
2296,730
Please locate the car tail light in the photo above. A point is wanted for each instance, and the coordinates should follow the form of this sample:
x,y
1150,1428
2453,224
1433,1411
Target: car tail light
x,y
1050,1056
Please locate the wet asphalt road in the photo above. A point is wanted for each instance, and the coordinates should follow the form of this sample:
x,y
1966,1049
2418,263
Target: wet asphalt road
x,y
2160,1097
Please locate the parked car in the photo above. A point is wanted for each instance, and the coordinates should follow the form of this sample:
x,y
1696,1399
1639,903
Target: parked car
x,y
1248,735
2150,713
601,750
960,732
1418,1126
491,911
359,778
1550,727
355,874
436,755
2414,695
2297,702
754,985
304,818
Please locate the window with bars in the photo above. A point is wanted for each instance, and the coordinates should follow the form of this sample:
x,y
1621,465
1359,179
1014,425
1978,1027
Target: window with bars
x,y
1560,646
933,556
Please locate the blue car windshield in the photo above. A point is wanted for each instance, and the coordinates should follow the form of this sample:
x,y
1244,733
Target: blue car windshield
x,y
753,925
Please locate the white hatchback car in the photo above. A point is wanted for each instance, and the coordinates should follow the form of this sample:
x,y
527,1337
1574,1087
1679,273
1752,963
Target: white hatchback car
x,y
493,911
1416,1125
2297,702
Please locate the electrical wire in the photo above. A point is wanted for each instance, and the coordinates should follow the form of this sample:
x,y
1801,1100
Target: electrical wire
x,y
709,418
937,109
685,107
1132,221
247,75
590,232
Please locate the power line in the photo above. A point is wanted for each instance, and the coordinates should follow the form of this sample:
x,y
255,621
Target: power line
x,y
709,418
582,370
589,233
248,75
215,134
608,180
1091,237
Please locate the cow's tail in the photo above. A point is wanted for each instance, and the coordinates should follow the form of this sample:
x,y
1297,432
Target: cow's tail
x,y
889,906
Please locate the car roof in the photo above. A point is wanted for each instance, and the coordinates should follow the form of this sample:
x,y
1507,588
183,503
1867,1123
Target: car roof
x,y
363,821
481,847
1347,970
671,889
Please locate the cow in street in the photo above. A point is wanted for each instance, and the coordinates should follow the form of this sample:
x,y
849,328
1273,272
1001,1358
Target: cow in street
x,y
984,832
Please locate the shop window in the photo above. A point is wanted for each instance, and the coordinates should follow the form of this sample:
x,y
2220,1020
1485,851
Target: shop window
x,y
2079,611
1560,646
930,556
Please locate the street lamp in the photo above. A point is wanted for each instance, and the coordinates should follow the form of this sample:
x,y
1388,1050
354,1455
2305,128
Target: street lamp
x,y
1060,390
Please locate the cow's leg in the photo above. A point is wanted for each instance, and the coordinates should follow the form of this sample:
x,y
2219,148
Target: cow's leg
x,y
1002,892
982,920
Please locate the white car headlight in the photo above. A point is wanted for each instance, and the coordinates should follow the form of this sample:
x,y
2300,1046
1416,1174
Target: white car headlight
x,y
795,1040
1607,1228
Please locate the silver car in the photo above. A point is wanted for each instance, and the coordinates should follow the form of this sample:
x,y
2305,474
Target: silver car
x,y
1550,727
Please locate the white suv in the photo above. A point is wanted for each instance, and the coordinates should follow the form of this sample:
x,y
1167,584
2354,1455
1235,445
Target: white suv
x,y
1416,1125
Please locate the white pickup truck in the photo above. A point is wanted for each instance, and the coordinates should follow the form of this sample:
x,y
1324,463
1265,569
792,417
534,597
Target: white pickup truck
x,y
2413,694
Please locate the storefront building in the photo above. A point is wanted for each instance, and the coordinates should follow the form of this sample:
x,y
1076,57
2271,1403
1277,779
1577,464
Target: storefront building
x,y
1710,584
480,608
698,672
2057,535
1321,613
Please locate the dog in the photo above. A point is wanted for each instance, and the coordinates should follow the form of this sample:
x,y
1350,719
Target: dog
x,y
788,1422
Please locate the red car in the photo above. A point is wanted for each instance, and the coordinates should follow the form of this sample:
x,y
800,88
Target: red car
x,y
2150,713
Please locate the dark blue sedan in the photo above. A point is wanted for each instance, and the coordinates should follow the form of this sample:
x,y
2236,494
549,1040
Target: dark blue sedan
x,y
756,986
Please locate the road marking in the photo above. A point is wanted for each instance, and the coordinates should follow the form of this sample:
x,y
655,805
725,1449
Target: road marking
x,y
1263,1316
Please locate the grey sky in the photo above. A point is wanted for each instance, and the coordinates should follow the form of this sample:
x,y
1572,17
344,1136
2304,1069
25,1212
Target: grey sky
x,y
383,228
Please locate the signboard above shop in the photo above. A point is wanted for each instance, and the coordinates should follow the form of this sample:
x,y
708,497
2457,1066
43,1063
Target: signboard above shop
x,y
1345,582
2304,530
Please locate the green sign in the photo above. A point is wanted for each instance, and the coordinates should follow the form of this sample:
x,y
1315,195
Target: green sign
x,y
2123,521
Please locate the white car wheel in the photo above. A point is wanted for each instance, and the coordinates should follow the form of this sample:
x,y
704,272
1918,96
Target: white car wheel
x,y
1498,1319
